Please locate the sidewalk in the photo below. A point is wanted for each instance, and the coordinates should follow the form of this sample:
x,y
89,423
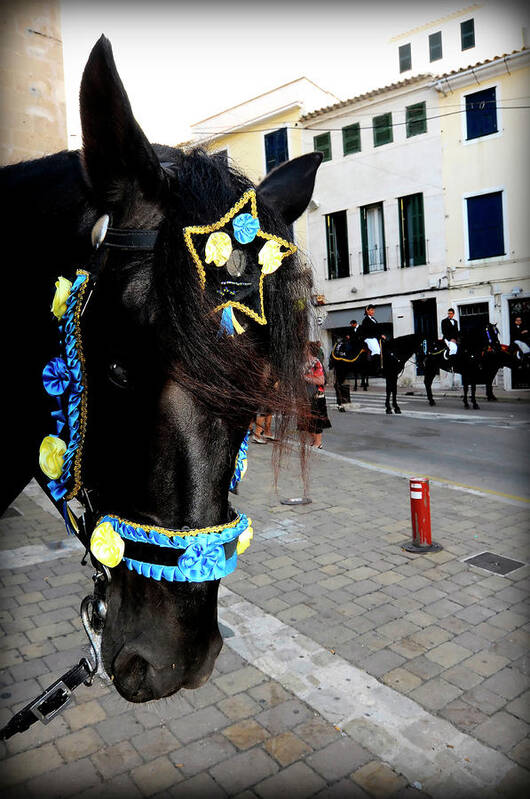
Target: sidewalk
x,y
350,667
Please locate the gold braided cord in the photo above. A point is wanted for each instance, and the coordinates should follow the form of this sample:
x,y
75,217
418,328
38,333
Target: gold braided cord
x,y
348,360
171,533
249,196
83,405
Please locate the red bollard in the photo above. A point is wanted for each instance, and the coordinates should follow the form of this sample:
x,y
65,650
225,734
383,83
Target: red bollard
x,y
420,514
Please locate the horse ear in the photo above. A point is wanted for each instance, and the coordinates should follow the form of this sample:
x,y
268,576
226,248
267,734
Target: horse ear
x,y
288,187
115,149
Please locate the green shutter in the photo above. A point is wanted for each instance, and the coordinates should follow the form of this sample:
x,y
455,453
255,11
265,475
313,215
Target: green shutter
x,y
351,139
364,241
416,119
382,127
322,144
467,34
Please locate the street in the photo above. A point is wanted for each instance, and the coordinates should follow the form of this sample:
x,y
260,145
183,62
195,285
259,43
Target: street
x,y
350,667
486,448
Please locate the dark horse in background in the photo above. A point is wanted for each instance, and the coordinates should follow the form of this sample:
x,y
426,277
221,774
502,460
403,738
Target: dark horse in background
x,y
349,359
480,355
169,398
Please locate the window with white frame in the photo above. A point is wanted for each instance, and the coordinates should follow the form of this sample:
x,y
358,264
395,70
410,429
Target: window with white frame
x,y
373,238
485,225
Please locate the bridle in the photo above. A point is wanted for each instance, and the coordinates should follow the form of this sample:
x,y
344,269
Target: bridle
x,y
212,552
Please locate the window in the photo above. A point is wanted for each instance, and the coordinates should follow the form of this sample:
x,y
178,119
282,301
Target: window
x,y
467,34
337,244
373,238
322,144
382,126
405,58
351,139
481,113
276,151
485,225
473,316
412,230
435,46
416,119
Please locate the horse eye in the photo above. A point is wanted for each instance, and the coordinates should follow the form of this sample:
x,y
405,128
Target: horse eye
x,y
118,375
236,263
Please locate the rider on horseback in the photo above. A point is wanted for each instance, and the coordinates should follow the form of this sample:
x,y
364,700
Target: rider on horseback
x,y
370,331
450,333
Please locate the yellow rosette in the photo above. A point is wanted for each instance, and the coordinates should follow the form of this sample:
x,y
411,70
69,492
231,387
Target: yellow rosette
x,y
62,293
270,257
51,455
243,542
218,248
106,545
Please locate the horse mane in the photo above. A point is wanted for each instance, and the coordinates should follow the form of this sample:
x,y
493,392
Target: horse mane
x,y
233,377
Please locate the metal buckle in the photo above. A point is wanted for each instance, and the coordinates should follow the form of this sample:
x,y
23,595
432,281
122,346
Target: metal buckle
x,y
45,715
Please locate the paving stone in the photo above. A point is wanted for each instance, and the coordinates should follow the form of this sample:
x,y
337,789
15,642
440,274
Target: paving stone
x,y
25,765
269,694
486,663
508,683
379,663
284,717
520,707
317,732
244,770
84,714
402,680
344,789
502,731
447,654
521,753
115,759
201,786
158,741
202,754
484,700
79,744
246,733
117,788
115,729
240,680
463,715
378,779
463,677
198,724
436,693
297,781
338,759
66,781
286,748
155,776
238,707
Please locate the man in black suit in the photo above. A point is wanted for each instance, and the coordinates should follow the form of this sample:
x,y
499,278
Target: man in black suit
x,y
520,336
450,331
370,331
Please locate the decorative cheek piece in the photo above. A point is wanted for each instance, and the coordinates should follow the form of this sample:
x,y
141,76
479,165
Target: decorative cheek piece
x,y
174,555
244,229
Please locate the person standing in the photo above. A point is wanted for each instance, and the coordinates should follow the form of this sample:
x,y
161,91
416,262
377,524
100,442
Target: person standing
x,y
314,377
450,331
520,335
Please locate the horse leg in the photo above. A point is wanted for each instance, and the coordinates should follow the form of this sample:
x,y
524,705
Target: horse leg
x,y
365,383
490,396
395,405
427,381
338,391
356,375
473,397
388,392
466,386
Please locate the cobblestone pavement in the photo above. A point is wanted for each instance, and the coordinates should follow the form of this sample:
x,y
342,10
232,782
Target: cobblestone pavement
x,y
350,667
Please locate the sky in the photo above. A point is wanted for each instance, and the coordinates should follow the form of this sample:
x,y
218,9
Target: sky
x,y
182,61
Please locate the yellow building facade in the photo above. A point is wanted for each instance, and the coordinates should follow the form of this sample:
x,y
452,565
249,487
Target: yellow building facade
x,y
260,133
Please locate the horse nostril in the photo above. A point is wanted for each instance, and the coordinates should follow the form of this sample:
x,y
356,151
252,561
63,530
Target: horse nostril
x,y
129,672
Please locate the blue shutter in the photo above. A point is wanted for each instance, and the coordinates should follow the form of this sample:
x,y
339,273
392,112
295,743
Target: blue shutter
x,y
276,151
485,225
481,113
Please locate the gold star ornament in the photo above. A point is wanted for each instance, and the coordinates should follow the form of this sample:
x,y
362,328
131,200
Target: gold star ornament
x,y
223,244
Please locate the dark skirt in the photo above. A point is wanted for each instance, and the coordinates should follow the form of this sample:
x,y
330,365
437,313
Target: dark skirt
x,y
318,419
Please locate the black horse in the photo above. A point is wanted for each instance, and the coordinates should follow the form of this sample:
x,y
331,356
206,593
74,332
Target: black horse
x,y
350,359
480,355
170,396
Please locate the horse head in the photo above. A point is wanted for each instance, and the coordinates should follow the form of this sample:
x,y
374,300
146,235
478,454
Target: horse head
x,y
194,307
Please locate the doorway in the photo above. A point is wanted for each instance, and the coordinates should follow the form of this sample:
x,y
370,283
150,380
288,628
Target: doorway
x,y
425,322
